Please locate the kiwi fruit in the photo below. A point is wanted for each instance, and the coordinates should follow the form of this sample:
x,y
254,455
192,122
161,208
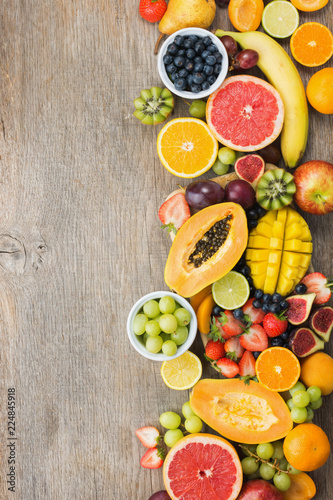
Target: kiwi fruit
x,y
275,189
153,106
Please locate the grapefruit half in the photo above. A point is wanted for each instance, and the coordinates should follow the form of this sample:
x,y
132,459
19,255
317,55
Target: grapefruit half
x,y
202,467
246,113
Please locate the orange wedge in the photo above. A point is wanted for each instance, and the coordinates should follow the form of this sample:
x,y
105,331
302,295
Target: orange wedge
x,y
278,369
312,44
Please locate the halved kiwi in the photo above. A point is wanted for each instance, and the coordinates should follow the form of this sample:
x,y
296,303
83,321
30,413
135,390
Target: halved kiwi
x,y
153,106
275,189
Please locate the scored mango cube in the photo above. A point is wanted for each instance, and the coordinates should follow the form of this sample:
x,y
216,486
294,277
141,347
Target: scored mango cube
x,y
276,243
260,242
305,260
278,230
259,281
287,271
291,259
293,231
264,229
258,267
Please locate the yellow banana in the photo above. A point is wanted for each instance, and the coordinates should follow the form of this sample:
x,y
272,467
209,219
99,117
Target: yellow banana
x,y
281,72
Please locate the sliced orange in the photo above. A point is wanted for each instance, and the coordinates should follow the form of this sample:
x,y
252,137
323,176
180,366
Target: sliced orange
x,y
312,44
309,5
319,91
278,369
186,147
245,15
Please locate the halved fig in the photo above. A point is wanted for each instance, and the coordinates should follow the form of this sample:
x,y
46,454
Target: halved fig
x,y
303,342
250,168
321,321
299,308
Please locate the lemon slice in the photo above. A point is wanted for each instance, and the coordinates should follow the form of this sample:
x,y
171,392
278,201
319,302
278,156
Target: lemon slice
x,y
183,372
280,19
231,291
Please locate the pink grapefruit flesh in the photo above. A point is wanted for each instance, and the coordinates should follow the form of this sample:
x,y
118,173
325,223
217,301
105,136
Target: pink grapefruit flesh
x,y
202,467
245,113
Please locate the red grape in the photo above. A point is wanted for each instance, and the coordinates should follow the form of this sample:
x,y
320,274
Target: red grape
x,y
247,59
202,194
240,192
229,44
160,495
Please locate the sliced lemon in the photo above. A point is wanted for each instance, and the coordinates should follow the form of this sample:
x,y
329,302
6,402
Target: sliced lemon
x,y
280,19
231,291
183,372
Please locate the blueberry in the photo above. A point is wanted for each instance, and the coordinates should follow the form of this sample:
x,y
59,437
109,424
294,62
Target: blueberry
x,y
172,49
179,61
189,66
189,80
198,67
266,298
217,69
181,52
284,335
188,44
216,310
261,211
252,290
205,85
183,73
205,54
190,54
252,215
198,59
212,48
206,40
199,47
256,303
210,60
274,308
180,84
277,341
195,88
218,57
171,68
258,294
245,271
256,354
250,281
252,223
286,345
211,79
238,314
290,327
284,304
301,288
167,59
175,76
276,297
193,38
265,308
208,70
179,40
198,78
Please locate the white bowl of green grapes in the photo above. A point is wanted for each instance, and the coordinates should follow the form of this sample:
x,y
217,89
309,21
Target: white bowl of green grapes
x,y
162,326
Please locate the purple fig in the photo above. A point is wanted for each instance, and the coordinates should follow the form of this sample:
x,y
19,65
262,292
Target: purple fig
x,y
321,321
303,342
299,308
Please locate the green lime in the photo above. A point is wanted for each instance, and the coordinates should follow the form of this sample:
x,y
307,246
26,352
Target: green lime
x,y
231,291
280,19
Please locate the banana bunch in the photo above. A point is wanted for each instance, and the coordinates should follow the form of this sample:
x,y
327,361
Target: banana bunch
x,y
281,72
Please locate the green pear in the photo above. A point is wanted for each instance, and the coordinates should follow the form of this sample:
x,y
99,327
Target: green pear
x,y
185,14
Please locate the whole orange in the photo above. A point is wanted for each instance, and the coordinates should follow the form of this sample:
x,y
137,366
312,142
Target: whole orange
x,y
317,369
320,91
306,447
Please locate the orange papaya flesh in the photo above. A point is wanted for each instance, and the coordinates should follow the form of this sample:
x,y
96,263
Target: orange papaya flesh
x,y
204,312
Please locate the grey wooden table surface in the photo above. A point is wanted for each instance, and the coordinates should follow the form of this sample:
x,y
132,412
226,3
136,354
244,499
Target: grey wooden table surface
x,y
80,242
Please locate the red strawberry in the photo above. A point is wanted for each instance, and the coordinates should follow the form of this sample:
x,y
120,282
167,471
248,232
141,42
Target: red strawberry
x,y
152,10
148,436
318,283
174,212
228,367
151,459
275,324
233,348
214,350
255,340
256,315
247,365
216,330
232,326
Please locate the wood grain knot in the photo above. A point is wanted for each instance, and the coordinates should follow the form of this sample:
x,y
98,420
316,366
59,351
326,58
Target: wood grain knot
x,y
12,254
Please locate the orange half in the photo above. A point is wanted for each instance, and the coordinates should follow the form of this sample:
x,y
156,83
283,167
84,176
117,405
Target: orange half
x,y
278,369
312,44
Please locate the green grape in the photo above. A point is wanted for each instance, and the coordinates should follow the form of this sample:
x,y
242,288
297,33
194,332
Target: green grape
x,y
170,420
144,337
165,336
278,450
167,305
265,451
168,323
139,324
298,415
193,424
226,155
220,168
172,437
198,109
255,475
151,309
180,335
301,399
187,410
297,387
290,403
292,470
154,344
314,393
310,415
169,348
282,481
249,465
153,328
283,464
249,447
183,316
239,154
267,472
316,404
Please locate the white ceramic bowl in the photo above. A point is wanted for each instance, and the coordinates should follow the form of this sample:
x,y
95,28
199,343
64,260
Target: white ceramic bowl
x,y
135,340
184,93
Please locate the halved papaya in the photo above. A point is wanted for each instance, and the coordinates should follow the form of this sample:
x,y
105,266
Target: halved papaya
x,y
206,248
247,414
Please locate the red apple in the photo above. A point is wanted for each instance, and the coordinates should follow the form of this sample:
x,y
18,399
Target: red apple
x,y
258,489
314,187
